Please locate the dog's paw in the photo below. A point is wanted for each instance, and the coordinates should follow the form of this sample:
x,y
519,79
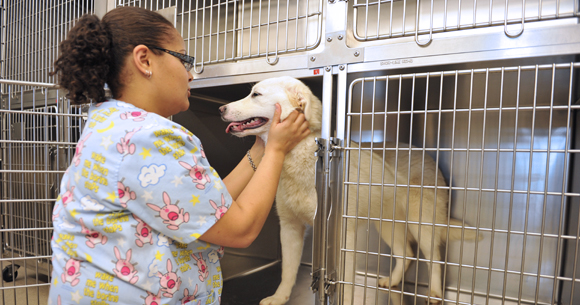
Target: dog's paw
x,y
435,294
384,282
274,300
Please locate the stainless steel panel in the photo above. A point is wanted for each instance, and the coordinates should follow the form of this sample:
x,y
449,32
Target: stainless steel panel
x,y
502,138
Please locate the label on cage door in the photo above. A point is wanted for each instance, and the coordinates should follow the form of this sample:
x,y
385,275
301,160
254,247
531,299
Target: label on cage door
x,y
397,62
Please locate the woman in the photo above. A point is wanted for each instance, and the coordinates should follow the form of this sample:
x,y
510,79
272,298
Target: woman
x,y
141,212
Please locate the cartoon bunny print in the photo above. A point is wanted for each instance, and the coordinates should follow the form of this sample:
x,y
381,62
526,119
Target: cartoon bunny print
x,y
143,232
125,193
188,133
219,210
72,270
201,266
123,267
56,212
93,237
202,151
137,116
76,160
188,297
68,195
152,299
170,213
125,147
169,281
197,173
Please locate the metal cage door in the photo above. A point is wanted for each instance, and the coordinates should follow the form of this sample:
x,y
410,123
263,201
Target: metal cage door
x,y
507,156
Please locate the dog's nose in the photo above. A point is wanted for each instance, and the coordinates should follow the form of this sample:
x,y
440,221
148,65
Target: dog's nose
x,y
223,109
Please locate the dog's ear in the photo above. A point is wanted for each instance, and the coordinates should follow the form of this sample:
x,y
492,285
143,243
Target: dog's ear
x,y
299,96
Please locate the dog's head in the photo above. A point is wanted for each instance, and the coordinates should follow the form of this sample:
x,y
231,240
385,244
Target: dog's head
x,y
252,115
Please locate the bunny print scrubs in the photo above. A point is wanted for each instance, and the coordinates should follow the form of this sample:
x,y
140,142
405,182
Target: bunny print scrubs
x,y
133,203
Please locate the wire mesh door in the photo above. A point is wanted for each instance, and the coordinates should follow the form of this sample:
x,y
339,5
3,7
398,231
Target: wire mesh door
x,y
377,20
37,143
225,31
481,158
31,32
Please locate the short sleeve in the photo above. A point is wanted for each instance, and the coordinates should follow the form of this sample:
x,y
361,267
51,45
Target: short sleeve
x,y
167,182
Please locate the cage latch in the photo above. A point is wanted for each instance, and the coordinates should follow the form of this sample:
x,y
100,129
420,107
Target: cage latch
x,y
321,147
334,149
329,286
315,280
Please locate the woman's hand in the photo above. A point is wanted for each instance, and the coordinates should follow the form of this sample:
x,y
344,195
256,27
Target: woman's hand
x,y
284,136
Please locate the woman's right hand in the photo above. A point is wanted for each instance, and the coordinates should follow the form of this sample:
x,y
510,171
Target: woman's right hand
x,y
285,135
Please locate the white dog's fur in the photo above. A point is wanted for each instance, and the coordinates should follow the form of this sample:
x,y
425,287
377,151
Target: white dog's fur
x,y
296,199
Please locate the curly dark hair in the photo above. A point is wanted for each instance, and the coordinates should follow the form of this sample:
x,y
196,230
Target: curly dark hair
x,y
95,50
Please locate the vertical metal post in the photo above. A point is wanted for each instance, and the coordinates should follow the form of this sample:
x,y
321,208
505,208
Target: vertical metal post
x,y
335,178
2,41
327,224
320,225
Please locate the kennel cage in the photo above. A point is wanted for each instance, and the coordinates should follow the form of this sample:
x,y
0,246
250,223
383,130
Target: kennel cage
x,y
488,89
39,133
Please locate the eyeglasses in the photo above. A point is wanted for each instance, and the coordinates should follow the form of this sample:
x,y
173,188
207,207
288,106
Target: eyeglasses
x,y
188,61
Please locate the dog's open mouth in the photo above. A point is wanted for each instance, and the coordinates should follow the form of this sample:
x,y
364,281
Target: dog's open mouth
x,y
247,124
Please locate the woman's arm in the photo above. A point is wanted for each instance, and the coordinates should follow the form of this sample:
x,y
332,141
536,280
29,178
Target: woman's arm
x,y
238,178
245,218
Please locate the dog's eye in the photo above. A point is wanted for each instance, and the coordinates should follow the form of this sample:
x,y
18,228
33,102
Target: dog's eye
x,y
256,94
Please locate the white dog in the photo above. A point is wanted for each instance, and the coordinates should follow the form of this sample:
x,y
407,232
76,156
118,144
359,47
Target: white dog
x,y
296,199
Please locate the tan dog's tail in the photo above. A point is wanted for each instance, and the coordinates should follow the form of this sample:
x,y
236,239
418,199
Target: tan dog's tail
x,y
456,233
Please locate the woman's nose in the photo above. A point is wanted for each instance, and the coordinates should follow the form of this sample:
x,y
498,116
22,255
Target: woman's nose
x,y
190,78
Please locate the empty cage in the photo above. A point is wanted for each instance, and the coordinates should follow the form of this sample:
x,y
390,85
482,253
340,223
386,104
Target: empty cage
x,y
376,20
228,31
39,134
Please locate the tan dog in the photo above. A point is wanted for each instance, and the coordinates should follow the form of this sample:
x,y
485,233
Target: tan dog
x,y
296,199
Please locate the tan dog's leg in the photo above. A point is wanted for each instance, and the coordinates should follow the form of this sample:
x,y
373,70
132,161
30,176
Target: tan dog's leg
x,y
397,248
430,251
292,239
349,262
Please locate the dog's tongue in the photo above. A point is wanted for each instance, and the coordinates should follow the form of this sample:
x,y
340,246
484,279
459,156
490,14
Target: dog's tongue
x,y
240,126
234,126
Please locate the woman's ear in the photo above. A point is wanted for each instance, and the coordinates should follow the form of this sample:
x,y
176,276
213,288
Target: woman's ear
x,y
142,60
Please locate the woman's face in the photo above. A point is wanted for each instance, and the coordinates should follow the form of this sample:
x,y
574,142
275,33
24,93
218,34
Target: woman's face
x,y
172,79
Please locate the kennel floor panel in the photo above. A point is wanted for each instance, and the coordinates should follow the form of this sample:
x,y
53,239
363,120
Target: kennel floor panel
x,y
252,288
30,287
366,293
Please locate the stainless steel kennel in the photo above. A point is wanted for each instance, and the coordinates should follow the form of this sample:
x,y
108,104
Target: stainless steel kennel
x,y
488,89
